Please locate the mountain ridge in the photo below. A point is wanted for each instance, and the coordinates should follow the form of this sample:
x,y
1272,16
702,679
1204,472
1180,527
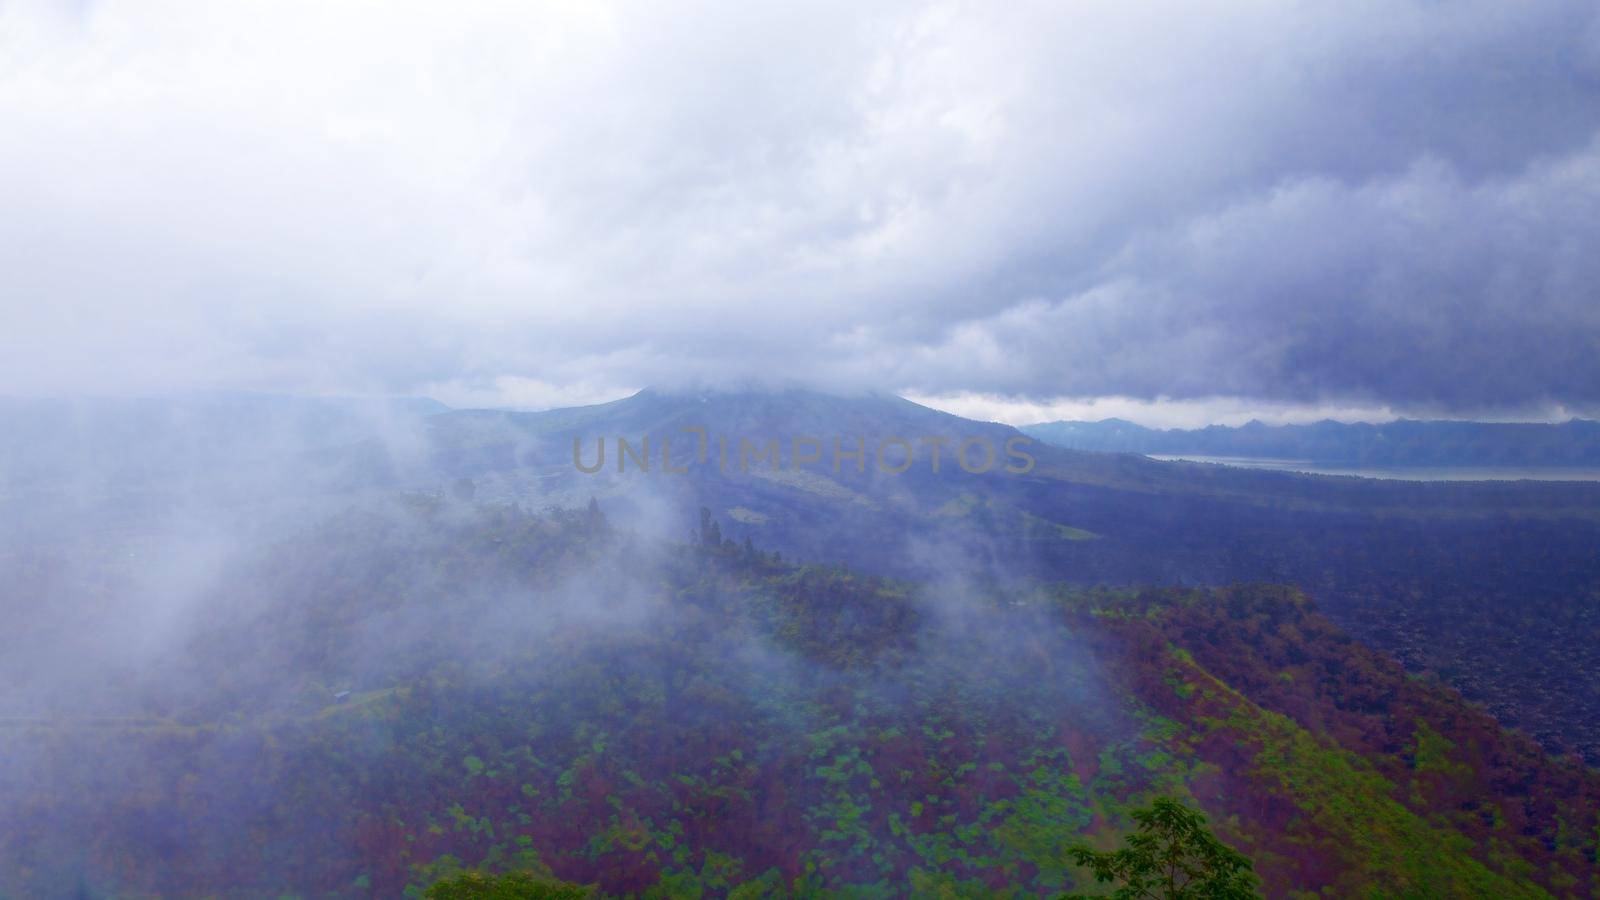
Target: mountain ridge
x,y
1435,574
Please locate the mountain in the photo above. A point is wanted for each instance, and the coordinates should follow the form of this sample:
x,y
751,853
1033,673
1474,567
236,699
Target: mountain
x,y
445,644
1400,443
1491,584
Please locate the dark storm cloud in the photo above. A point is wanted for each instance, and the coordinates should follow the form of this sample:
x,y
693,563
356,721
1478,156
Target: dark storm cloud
x,y
1420,289
1354,203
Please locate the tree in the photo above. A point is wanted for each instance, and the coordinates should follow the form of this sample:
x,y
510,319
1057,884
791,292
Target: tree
x,y
710,532
511,886
596,518
1172,856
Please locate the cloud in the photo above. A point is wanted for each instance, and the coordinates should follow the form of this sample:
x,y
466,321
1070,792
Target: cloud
x,y
1161,412
1368,205
1419,289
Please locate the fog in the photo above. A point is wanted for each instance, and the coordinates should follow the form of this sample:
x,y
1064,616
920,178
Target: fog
x,y
185,629
304,307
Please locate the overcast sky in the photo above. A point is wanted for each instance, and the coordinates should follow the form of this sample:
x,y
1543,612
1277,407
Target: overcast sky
x,y
1196,210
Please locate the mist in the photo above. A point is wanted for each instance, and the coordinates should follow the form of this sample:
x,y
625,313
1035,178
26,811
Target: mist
x,y
314,321
214,663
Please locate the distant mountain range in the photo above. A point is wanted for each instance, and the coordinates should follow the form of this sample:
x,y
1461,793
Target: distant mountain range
x,y
1405,442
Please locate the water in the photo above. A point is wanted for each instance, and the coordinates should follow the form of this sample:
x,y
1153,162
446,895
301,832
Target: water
x,y
1400,473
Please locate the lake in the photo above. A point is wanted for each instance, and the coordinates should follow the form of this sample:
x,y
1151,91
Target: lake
x,y
1399,473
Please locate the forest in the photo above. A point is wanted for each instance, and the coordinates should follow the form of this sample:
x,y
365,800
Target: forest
x,y
420,688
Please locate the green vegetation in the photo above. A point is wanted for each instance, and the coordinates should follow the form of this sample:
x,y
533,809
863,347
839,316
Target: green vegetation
x,y
705,720
511,886
1172,856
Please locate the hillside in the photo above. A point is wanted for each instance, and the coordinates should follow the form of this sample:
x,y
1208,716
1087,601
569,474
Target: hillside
x,y
1493,585
401,691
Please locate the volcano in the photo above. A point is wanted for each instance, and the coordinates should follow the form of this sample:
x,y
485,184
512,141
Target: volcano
x,y
1409,567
